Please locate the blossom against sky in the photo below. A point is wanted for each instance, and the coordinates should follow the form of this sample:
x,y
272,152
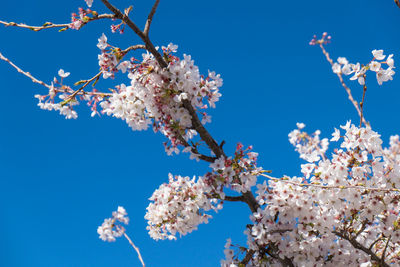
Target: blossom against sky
x,y
61,178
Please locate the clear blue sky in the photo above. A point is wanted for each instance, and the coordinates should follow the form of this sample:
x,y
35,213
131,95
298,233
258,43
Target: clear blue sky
x,y
60,178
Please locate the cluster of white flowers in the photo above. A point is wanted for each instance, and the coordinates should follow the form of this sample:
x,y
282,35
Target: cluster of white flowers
x,y
310,147
47,102
110,229
382,75
179,207
238,173
229,261
107,59
349,199
155,95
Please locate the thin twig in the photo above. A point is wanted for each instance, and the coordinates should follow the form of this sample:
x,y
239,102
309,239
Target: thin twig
x,y
397,2
81,88
27,74
150,18
49,25
133,47
354,102
362,101
136,248
384,250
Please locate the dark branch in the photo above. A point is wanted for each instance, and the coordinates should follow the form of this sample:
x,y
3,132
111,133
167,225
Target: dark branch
x,y
204,134
384,250
247,258
150,18
234,199
357,245
149,45
249,198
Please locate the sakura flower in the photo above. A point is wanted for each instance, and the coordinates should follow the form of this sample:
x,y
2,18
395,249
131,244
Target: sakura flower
x,y
110,229
348,69
300,125
374,66
390,61
336,68
336,135
89,2
63,74
342,61
378,54
102,44
384,75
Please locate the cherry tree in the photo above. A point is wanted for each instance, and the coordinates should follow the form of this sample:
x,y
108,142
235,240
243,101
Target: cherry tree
x,y
343,209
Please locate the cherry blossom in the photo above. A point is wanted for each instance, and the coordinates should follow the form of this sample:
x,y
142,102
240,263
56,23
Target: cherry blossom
x,y
179,207
383,75
110,229
89,2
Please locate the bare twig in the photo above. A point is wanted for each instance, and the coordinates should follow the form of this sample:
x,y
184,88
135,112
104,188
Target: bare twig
x,y
354,102
133,47
397,2
362,101
27,74
72,96
49,25
150,18
136,248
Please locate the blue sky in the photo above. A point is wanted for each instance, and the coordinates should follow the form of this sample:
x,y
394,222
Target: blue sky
x,y
60,178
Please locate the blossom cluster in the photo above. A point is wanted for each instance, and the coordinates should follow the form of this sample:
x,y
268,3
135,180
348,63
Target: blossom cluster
x,y
111,227
83,16
156,95
347,199
238,173
109,58
310,147
179,207
382,75
47,102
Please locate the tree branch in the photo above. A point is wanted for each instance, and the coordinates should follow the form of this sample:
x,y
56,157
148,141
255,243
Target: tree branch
x,y
234,199
204,134
354,102
27,74
135,248
49,25
247,258
357,245
150,18
149,45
